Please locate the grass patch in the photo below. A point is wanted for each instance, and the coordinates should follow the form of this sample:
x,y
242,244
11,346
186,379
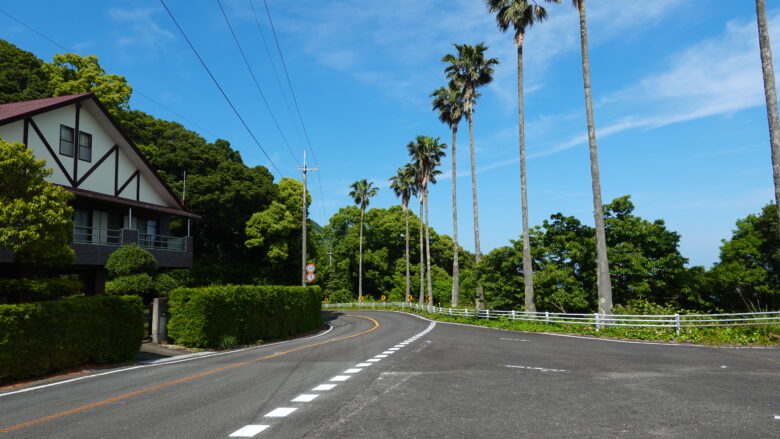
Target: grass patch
x,y
758,335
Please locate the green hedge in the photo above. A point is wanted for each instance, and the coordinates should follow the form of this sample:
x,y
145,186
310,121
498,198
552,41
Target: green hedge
x,y
205,317
36,290
43,337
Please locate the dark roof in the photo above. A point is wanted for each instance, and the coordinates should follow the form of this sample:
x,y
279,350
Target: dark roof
x,y
19,110
129,202
15,110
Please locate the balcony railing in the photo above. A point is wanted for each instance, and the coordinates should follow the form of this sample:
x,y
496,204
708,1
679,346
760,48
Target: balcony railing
x,y
97,236
162,242
114,237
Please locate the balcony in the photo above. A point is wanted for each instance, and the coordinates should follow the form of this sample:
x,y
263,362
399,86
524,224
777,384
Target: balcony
x,y
93,245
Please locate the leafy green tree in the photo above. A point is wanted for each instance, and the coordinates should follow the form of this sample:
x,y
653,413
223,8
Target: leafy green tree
x,y
362,191
35,218
521,15
449,103
22,77
70,74
130,259
747,277
467,71
403,187
645,260
276,230
426,154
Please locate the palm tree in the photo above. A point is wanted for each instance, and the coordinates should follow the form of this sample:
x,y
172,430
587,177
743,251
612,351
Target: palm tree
x,y
468,71
403,186
602,262
447,101
771,97
362,191
521,14
426,153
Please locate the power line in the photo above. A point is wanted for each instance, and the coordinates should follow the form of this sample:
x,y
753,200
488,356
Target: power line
x,y
203,63
276,73
257,84
135,90
295,100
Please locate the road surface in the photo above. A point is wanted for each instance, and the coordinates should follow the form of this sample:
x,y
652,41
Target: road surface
x,y
377,374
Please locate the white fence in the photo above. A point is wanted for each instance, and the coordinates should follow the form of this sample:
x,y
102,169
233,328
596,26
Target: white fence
x,y
675,321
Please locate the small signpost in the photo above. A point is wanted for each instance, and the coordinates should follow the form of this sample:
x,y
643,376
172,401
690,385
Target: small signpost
x,y
310,276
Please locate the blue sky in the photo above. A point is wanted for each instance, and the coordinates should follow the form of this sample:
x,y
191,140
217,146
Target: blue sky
x,y
677,88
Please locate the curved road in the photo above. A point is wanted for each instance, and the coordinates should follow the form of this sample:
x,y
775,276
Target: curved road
x,y
387,375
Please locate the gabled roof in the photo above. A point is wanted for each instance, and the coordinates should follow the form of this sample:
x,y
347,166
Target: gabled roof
x,y
19,110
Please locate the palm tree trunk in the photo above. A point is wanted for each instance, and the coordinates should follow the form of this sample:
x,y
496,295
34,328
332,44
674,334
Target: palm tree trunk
x,y
360,261
480,294
428,249
455,246
602,275
528,270
422,254
770,93
408,285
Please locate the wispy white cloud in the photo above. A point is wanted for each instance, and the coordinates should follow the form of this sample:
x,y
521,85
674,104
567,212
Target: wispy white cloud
x,y
139,28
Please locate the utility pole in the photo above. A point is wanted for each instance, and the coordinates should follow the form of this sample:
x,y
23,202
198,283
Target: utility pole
x,y
304,170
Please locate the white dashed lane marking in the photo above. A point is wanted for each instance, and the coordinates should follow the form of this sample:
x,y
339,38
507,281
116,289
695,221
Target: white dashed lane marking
x,y
363,365
280,412
374,360
540,369
340,378
352,370
322,387
380,356
248,431
306,397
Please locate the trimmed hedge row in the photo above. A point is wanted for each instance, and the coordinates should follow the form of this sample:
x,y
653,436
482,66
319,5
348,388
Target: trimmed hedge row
x,y
43,337
36,290
204,317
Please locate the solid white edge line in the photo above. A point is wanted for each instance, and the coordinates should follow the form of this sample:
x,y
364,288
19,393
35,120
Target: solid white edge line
x,y
248,431
280,412
142,365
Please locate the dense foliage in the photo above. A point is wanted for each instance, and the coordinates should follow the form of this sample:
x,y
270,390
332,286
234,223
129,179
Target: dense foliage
x,y
37,290
133,270
34,214
22,77
205,317
44,337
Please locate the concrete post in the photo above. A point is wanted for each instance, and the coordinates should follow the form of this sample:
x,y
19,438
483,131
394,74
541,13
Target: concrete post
x,y
159,321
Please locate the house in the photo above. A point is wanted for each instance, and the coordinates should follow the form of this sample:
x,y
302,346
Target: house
x,y
119,198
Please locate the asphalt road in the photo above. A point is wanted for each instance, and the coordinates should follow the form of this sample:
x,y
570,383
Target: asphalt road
x,y
387,375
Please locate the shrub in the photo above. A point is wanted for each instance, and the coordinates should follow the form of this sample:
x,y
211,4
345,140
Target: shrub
x,y
130,259
44,337
341,296
164,284
210,316
36,290
139,284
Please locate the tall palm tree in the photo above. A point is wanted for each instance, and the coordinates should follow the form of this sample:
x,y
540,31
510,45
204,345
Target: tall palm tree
x,y
362,191
448,102
426,153
403,186
770,93
467,71
602,262
521,14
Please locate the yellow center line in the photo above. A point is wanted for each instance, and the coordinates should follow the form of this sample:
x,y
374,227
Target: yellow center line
x,y
185,379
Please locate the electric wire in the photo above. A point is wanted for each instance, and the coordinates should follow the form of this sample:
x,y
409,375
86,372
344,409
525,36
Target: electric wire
x,y
135,90
203,63
295,100
257,84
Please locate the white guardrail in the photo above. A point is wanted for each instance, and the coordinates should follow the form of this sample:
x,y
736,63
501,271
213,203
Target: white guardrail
x,y
676,321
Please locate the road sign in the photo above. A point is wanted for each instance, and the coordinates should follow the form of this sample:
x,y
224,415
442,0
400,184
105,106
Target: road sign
x,y
310,277
310,268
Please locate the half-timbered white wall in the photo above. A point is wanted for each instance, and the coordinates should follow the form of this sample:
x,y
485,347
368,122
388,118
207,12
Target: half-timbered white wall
x,y
106,177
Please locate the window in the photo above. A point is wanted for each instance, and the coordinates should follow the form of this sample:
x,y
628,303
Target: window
x,y
85,147
66,141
